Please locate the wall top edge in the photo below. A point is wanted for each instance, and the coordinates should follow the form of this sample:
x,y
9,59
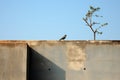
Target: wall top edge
x,y
84,41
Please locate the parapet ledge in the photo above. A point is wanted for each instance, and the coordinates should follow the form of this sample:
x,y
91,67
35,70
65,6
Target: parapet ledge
x,y
35,42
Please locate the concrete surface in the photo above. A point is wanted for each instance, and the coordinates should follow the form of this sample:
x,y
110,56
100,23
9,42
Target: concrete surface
x,y
13,61
60,60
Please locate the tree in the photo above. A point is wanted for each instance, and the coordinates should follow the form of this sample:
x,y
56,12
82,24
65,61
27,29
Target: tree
x,y
90,23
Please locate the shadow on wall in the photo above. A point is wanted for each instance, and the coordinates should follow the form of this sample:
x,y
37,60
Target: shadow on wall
x,y
40,68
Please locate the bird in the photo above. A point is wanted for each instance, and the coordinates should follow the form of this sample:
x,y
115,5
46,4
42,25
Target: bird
x,y
63,38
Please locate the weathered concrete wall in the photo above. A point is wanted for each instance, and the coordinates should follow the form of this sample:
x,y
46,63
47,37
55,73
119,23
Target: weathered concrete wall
x,y
75,60
60,60
13,61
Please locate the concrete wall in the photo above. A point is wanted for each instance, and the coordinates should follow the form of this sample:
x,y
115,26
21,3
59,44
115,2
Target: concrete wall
x,y
75,60
60,60
13,61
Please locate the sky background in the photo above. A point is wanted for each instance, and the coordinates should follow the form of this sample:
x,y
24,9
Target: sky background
x,y
51,19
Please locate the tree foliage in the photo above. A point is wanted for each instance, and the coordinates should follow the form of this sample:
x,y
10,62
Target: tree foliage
x,y
90,23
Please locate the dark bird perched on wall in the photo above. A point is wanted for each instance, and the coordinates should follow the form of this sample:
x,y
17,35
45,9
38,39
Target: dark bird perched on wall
x,y
63,38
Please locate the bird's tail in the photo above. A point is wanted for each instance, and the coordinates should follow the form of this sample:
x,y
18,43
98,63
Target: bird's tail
x,y
60,39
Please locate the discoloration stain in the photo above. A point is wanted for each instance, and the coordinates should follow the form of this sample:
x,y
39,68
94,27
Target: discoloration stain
x,y
53,42
76,57
12,45
49,43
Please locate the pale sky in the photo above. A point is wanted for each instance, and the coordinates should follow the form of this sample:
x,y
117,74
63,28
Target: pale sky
x,y
51,19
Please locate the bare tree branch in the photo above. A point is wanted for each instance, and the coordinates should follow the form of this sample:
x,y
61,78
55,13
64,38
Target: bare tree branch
x,y
90,23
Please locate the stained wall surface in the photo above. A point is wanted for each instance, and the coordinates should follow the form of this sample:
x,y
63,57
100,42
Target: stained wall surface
x,y
60,60
76,60
13,61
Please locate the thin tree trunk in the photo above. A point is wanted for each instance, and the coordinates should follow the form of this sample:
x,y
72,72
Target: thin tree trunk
x,y
94,35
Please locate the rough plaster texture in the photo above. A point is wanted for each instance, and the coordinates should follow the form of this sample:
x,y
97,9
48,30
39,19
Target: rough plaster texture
x,y
79,60
13,61
60,60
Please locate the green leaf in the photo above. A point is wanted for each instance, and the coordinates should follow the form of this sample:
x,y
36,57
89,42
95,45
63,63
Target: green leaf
x,y
98,16
92,8
100,32
95,23
105,24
